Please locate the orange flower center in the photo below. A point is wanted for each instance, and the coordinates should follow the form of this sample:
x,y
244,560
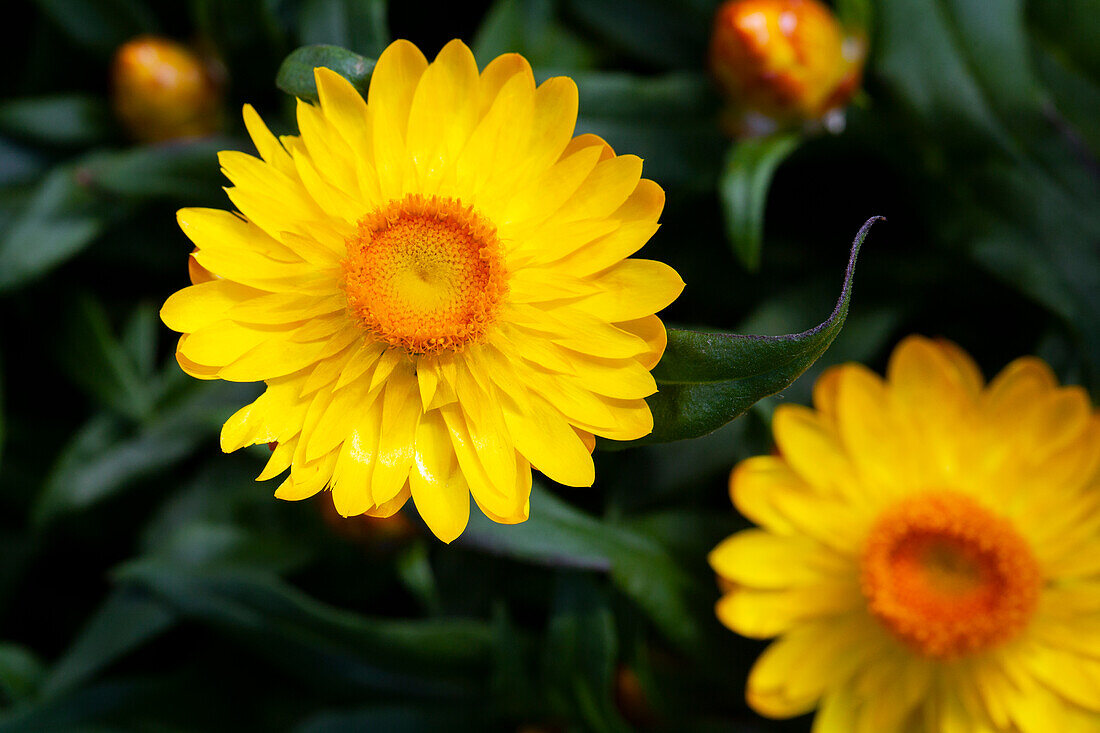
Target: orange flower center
x,y
425,274
947,576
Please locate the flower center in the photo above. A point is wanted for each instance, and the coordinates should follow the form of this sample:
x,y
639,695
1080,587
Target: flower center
x,y
425,274
947,576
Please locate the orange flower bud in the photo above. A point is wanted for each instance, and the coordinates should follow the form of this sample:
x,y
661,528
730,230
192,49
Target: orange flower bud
x,y
786,59
163,91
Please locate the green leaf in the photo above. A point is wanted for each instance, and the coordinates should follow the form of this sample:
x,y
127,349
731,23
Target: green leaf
x,y
18,164
295,75
96,361
61,218
127,620
398,719
3,428
580,653
21,673
99,25
314,640
75,713
529,27
664,33
104,457
139,338
181,170
559,535
670,121
750,165
707,379
358,25
66,120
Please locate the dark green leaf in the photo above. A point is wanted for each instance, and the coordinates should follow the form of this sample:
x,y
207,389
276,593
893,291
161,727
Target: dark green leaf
x,y
389,718
665,33
529,27
103,457
296,72
99,25
75,713
439,656
707,379
69,120
62,218
559,535
670,121
21,673
139,338
581,651
126,620
357,25
18,164
183,170
743,189
96,361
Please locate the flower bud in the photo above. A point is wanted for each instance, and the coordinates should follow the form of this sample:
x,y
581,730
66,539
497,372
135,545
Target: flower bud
x,y
161,90
788,60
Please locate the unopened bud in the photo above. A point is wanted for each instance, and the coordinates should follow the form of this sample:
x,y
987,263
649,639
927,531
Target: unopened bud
x,y
161,90
788,60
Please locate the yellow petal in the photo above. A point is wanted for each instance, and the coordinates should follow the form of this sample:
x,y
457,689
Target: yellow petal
x,y
352,476
389,99
201,305
401,414
652,331
760,559
761,614
443,114
545,439
632,289
266,144
439,490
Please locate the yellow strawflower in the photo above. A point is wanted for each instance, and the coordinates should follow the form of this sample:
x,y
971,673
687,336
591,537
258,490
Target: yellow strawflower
x,y
161,90
433,284
928,551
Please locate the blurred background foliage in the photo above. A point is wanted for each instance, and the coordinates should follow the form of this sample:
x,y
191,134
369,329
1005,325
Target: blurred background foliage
x,y
147,584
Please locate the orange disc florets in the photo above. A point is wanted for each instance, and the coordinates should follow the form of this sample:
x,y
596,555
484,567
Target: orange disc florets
x,y
425,274
947,576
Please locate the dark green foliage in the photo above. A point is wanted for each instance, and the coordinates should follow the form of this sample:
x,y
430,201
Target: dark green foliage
x,y
147,583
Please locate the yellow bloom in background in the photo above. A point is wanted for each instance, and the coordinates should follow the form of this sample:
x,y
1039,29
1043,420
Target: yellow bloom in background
x,y
433,284
787,59
161,90
929,551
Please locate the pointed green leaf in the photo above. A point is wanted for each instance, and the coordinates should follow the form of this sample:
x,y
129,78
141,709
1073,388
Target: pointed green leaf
x,y
296,72
20,673
69,119
62,217
126,620
559,535
707,379
750,165
312,639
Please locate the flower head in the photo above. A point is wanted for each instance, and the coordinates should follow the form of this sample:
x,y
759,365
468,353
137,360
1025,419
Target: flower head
x,y
926,551
161,90
787,59
434,285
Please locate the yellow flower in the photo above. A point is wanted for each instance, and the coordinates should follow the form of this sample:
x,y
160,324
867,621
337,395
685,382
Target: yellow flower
x,y
433,285
929,551
163,91
788,59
